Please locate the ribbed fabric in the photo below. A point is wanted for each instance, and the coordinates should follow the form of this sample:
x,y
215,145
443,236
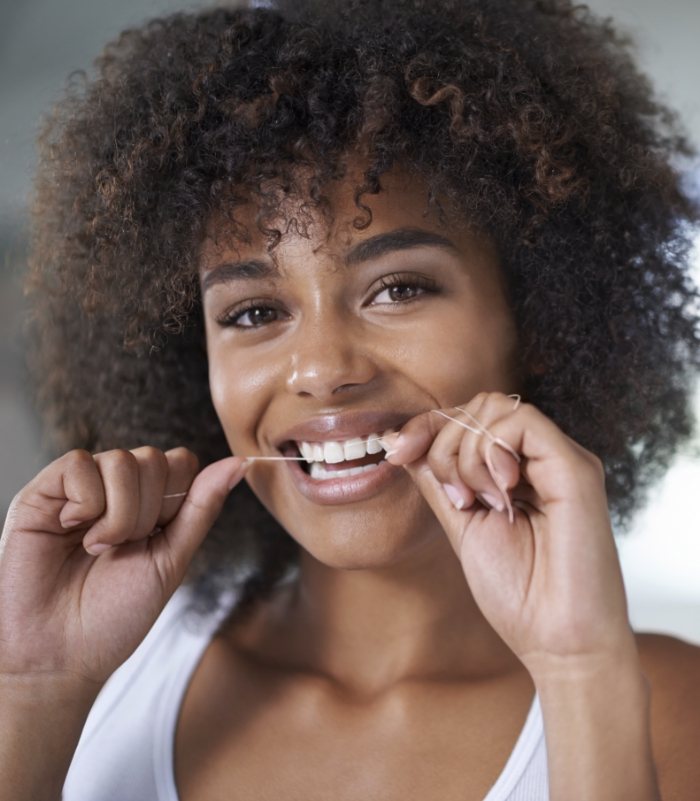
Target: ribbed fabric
x,y
126,749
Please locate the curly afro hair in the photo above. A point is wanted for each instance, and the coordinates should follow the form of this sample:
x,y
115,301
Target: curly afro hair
x,y
528,117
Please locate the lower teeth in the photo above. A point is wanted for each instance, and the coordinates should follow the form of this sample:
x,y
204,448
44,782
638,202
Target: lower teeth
x,y
319,472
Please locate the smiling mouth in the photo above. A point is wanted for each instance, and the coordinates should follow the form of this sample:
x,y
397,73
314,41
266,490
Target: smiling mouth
x,y
338,458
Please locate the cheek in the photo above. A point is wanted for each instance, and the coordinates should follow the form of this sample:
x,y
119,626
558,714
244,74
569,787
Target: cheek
x,y
240,390
462,355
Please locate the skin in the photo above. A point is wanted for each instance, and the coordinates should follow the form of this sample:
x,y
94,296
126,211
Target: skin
x,y
417,631
383,564
381,614
333,341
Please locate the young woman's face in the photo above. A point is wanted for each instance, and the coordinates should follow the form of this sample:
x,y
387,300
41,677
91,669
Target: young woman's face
x,y
347,334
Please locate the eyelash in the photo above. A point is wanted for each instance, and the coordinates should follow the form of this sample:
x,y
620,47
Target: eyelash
x,y
231,318
422,283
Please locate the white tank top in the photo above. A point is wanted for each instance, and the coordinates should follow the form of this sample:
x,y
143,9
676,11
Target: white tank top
x,y
126,749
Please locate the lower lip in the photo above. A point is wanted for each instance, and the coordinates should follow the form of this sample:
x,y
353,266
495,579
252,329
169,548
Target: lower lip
x,y
348,489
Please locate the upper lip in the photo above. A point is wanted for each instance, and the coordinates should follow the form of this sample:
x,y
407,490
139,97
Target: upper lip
x,y
342,426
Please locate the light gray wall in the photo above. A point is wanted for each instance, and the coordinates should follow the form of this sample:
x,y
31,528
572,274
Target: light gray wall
x,y
668,37
41,41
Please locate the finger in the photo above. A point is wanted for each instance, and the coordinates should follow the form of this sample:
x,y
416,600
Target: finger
x,y
476,468
455,462
183,466
414,439
453,455
174,548
555,466
119,472
453,521
152,475
65,494
550,461
503,469
418,434
469,427
442,460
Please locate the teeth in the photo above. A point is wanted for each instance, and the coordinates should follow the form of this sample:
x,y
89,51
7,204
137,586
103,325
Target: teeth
x,y
374,445
355,449
333,452
336,452
319,472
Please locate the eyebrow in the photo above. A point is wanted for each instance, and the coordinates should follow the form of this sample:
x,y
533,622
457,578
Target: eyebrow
x,y
372,248
249,270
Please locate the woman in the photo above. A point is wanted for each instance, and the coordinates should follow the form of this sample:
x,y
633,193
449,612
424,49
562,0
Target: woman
x,y
422,269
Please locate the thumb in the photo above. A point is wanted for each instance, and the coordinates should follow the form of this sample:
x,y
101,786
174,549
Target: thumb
x,y
452,520
175,546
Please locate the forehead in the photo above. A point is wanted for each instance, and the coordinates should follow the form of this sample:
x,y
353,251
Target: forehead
x,y
328,228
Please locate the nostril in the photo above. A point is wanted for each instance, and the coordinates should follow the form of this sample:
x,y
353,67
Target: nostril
x,y
345,387
329,370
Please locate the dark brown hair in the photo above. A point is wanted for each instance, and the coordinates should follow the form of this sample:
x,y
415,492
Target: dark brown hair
x,y
528,117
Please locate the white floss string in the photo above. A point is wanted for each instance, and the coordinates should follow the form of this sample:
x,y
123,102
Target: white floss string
x,y
268,459
294,458
479,430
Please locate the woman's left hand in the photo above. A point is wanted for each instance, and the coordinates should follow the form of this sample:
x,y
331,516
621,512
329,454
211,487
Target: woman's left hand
x,y
549,582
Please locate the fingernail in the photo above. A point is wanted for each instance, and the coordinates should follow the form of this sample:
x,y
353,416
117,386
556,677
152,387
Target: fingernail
x,y
70,523
97,548
493,501
455,496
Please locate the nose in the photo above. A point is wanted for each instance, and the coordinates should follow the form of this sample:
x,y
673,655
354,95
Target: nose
x,y
328,359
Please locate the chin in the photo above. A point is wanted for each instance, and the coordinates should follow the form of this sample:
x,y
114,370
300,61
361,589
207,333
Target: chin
x,y
352,539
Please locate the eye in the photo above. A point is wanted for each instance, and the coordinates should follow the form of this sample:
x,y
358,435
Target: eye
x,y
400,288
253,315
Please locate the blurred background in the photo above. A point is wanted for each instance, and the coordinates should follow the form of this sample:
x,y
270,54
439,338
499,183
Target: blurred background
x,y
42,41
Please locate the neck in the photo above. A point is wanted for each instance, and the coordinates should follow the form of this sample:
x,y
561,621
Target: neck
x,y
367,630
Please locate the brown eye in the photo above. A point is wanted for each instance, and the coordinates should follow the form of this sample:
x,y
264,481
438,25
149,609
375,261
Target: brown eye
x,y
397,288
253,316
403,292
260,315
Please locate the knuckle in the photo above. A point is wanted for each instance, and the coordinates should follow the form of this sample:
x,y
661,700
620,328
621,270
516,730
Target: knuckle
x,y
185,457
76,459
147,451
596,463
590,459
438,465
481,399
16,503
122,459
154,456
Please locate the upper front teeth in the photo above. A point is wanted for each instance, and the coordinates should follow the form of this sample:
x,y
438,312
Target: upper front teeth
x,y
334,452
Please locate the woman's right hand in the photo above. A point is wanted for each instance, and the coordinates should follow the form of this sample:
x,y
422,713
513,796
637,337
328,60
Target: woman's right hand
x,y
83,576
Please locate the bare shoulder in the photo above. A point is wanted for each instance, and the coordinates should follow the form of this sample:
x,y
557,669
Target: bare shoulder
x,y
672,667
666,652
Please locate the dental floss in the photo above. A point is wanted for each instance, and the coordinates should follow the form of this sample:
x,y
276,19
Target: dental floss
x,y
478,431
269,459
492,441
294,458
275,459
